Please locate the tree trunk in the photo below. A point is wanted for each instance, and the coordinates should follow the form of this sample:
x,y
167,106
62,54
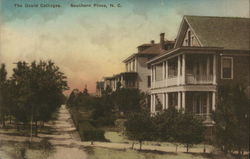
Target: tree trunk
x,y
36,128
187,147
3,120
133,145
10,118
176,147
204,149
239,153
92,142
140,144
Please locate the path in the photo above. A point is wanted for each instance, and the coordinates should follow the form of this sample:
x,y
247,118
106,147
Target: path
x,y
64,137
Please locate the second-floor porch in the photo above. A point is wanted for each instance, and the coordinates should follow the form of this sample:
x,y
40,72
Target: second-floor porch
x,y
184,69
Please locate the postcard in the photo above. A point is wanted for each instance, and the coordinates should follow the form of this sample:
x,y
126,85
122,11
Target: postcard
x,y
124,79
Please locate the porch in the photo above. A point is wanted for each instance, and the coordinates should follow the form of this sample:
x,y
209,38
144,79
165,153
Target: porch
x,y
200,103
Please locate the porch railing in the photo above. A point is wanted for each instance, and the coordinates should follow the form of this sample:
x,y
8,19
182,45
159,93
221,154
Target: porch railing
x,y
199,79
204,116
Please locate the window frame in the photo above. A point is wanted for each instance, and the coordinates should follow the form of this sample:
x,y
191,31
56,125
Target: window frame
x,y
232,73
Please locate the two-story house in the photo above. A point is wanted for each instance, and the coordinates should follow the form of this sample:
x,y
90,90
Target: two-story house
x,y
137,72
209,51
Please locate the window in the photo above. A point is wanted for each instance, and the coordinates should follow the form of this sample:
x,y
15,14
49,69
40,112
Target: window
x,y
149,81
173,99
172,67
189,38
159,72
227,68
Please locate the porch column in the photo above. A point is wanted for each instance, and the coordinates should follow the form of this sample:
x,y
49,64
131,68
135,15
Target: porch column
x,y
166,101
151,103
135,64
151,76
208,68
163,71
179,70
208,105
183,69
214,69
131,66
166,84
179,101
213,101
122,82
163,101
183,101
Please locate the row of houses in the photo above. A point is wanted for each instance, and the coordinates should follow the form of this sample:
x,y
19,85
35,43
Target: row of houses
x,y
185,73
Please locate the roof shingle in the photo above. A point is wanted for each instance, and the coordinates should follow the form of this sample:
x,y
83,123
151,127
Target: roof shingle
x,y
227,32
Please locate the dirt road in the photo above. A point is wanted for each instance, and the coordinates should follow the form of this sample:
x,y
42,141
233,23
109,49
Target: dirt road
x,y
65,137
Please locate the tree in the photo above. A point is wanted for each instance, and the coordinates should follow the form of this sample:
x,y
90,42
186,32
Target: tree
x,y
139,126
85,91
232,119
128,100
3,106
166,123
39,91
189,131
175,126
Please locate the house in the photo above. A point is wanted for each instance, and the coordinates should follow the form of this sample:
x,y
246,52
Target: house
x,y
137,72
99,88
209,51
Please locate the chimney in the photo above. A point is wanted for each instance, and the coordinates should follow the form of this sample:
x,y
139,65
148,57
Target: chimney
x,y
152,41
162,40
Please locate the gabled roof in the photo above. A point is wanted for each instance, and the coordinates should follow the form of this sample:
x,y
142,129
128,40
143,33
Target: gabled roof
x,y
226,32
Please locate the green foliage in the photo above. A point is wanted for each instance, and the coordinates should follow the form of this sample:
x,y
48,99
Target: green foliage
x,y
38,88
190,130
89,133
167,124
232,119
33,93
3,93
140,127
184,128
128,100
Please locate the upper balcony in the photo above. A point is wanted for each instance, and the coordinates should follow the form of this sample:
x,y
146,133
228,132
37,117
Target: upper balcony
x,y
185,69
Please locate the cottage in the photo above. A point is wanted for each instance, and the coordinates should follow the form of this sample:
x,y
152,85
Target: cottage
x,y
209,51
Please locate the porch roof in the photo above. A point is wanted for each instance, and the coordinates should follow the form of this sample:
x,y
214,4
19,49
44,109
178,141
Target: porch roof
x,y
184,49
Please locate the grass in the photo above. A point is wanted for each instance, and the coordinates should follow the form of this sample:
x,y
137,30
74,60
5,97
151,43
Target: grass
x,y
20,150
118,137
105,153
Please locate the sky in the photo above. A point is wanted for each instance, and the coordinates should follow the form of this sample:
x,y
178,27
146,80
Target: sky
x,y
88,43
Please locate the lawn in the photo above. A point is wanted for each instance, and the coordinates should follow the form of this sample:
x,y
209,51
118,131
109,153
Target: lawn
x,y
105,153
118,137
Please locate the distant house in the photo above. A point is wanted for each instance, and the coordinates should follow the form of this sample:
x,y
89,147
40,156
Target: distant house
x,y
137,73
209,51
99,88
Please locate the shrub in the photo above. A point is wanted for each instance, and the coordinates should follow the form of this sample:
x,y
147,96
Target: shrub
x,y
89,133
104,121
